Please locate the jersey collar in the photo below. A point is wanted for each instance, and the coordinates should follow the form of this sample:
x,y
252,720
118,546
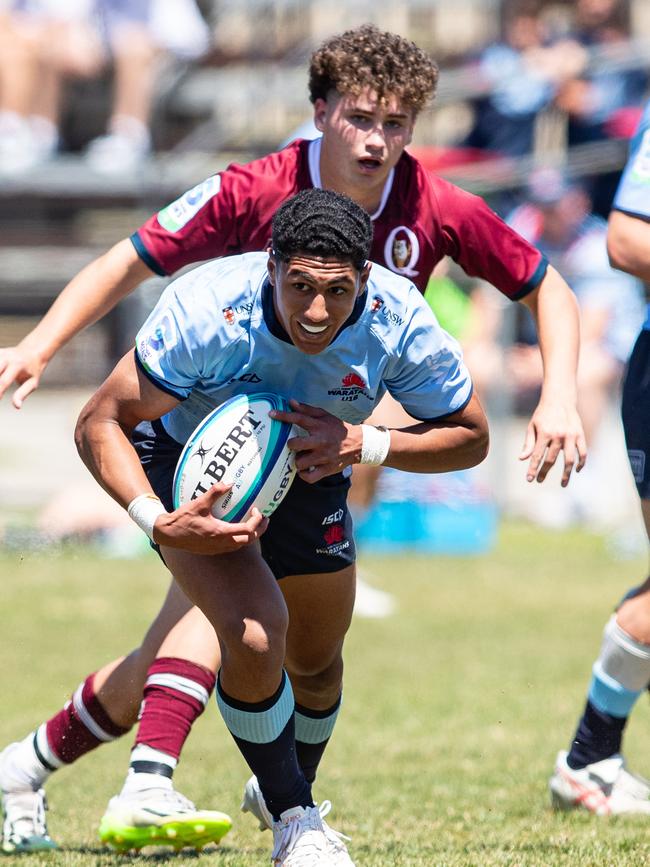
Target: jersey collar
x,y
314,171
275,326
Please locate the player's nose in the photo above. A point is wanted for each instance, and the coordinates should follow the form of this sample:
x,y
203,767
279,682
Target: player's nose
x,y
316,313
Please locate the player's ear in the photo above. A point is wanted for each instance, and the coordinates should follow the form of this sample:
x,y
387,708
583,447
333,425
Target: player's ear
x,y
320,113
363,276
270,267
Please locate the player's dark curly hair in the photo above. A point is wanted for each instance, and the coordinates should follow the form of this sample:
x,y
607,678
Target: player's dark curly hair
x,y
368,57
322,223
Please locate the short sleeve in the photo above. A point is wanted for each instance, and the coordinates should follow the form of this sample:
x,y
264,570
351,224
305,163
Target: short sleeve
x,y
426,373
163,351
485,246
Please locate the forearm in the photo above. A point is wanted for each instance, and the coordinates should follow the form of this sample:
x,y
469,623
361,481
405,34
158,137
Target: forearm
x,y
555,310
106,450
87,297
441,449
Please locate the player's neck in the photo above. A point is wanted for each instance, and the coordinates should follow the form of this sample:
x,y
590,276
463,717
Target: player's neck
x,y
368,197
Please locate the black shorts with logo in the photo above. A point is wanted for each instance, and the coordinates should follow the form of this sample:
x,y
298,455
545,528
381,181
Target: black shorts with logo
x,y
636,413
310,531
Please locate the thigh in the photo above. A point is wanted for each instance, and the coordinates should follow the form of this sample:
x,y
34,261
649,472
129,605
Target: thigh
x,y
230,589
320,611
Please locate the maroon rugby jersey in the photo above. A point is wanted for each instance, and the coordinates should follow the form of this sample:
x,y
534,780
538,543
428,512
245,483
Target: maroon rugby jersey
x,y
421,219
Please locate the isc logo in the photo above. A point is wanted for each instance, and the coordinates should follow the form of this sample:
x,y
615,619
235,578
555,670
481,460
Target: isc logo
x,y
333,518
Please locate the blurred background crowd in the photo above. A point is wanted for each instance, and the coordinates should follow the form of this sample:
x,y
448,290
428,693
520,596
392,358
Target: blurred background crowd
x,y
111,108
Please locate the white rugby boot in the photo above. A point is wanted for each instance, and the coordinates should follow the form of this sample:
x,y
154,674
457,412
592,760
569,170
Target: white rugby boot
x,y
24,828
301,839
159,817
253,802
605,788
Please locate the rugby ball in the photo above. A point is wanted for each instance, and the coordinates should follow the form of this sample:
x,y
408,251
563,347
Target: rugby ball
x,y
239,444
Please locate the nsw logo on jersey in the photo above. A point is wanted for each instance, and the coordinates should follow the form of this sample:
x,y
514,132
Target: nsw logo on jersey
x,y
177,215
402,251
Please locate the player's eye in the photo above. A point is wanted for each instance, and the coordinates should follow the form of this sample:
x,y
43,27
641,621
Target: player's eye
x,y
338,290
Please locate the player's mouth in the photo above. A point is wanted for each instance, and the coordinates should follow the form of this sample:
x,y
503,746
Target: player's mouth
x,y
313,329
370,164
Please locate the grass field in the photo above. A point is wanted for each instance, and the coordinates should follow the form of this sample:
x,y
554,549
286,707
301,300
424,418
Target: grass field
x,y
454,707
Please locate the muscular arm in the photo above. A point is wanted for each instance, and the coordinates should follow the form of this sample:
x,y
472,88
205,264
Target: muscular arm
x,y
628,244
456,442
102,436
87,297
555,426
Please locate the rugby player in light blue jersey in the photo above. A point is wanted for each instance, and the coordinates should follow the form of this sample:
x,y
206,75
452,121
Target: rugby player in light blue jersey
x,y
592,775
301,321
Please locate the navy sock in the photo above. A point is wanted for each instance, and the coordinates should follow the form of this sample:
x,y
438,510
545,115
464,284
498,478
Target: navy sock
x,y
313,731
598,737
265,734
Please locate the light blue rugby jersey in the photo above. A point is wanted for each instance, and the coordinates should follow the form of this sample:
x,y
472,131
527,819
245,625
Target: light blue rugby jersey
x,y
214,334
633,193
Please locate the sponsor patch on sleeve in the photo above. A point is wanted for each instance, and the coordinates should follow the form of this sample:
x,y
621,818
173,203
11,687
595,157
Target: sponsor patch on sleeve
x,y
177,215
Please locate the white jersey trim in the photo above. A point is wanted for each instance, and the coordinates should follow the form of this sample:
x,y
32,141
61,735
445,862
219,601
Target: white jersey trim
x,y
314,171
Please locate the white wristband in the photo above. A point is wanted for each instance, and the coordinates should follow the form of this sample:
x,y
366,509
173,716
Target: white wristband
x,y
144,510
375,445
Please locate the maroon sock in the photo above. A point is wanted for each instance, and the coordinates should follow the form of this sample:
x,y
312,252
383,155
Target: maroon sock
x,y
175,694
82,725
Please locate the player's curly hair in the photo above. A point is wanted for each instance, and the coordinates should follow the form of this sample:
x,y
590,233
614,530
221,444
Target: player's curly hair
x,y
322,223
368,57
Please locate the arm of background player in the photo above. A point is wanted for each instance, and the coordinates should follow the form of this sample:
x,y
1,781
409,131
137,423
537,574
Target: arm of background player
x,y
555,427
456,442
628,244
102,436
90,295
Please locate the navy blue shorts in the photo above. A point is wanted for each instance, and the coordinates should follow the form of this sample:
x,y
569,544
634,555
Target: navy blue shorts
x,y
309,532
636,413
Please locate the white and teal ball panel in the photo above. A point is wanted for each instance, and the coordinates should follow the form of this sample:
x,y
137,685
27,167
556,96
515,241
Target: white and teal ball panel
x,y
239,444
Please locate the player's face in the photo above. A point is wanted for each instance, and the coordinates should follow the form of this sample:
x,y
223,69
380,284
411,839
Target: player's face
x,y
313,298
363,138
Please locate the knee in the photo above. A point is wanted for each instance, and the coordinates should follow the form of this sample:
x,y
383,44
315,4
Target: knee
x,y
316,677
258,643
633,617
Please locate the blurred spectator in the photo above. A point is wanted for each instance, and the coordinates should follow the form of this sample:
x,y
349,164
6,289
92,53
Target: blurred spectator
x,y
556,218
45,42
523,70
600,102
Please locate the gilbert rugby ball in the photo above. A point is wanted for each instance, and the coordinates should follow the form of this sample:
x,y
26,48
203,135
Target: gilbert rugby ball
x,y
238,444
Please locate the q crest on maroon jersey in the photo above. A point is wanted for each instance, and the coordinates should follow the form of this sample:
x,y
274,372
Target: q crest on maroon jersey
x,y
402,251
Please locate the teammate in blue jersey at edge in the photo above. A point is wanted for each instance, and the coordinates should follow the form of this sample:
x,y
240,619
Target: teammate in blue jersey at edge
x,y
367,88
593,775
309,319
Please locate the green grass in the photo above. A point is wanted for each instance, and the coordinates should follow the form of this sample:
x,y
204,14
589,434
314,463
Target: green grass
x,y
454,708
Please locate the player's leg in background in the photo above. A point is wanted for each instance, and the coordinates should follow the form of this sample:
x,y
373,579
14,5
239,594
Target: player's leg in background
x,y
102,708
177,686
592,775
